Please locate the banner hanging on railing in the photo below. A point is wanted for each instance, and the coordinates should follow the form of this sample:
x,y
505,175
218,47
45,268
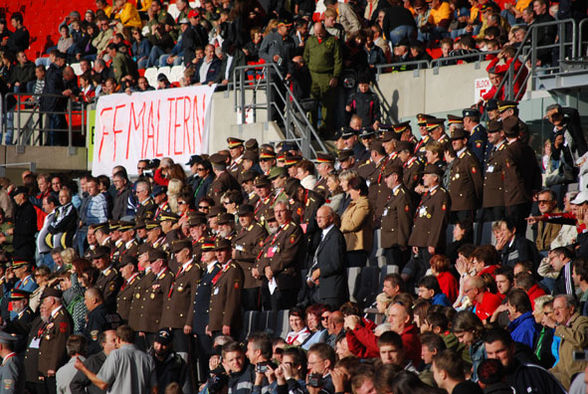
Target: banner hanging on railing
x,y
164,123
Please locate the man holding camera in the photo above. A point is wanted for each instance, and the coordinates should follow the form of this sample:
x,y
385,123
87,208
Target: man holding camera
x,y
321,361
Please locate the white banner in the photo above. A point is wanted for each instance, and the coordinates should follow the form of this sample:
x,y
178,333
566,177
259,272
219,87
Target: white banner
x,y
164,123
481,87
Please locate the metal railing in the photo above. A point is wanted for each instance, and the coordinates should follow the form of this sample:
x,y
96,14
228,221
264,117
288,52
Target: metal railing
x,y
30,125
268,78
581,27
478,57
402,66
528,53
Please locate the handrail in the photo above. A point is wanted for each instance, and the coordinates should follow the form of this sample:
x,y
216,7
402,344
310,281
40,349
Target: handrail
x,y
380,67
478,55
580,51
510,78
25,131
293,111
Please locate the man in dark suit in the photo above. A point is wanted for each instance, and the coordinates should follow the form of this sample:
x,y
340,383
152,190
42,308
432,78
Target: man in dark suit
x,y
328,270
208,68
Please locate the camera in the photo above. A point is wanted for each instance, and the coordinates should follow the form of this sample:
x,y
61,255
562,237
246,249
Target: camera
x,y
261,368
315,380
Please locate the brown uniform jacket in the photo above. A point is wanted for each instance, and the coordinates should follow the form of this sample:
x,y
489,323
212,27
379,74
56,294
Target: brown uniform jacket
x,y
494,178
356,225
280,252
146,209
151,301
52,353
109,283
125,297
430,220
246,246
225,298
397,218
321,187
465,182
225,181
412,173
378,192
136,307
177,310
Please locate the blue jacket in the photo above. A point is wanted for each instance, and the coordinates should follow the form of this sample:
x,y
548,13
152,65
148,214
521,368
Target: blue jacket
x,y
523,329
441,299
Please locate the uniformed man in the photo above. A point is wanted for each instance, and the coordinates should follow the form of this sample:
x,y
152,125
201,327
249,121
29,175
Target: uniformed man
x,y
177,312
226,225
436,129
325,166
247,180
323,55
508,108
138,290
109,281
160,199
404,132
151,298
98,319
11,369
493,198
22,270
278,177
428,231
396,218
127,235
419,149
140,231
277,262
351,141
130,274
155,236
346,160
23,319
303,204
102,235
291,163
465,181
266,198
245,248
168,221
145,205
224,180
46,350
522,177
478,137
378,192
411,166
225,298
198,232
210,271
267,160
236,150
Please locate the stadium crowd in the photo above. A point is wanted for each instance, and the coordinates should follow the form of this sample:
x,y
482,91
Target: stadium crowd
x,y
321,55
238,275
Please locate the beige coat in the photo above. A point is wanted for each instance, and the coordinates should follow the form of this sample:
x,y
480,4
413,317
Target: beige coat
x,y
574,337
356,225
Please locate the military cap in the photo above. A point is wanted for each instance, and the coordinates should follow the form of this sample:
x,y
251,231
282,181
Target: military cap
x,y
251,144
281,158
140,224
194,159
266,154
151,224
218,159
433,123
234,142
222,244
292,185
214,211
289,145
510,125
291,160
20,189
388,135
250,155
19,294
401,127
452,119
367,132
277,172
180,244
128,259
124,225
262,181
494,126
164,337
158,189
422,119
324,157
433,169
51,292
113,225
248,176
7,338
348,133
156,254
143,248
393,169
207,245
246,209
225,218
472,112
164,216
404,145
100,252
376,145
458,133
345,154
492,105
104,227
197,220
503,105
18,262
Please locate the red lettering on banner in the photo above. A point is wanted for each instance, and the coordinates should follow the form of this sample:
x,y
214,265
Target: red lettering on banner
x,y
114,129
150,132
176,126
135,125
195,119
201,125
104,133
157,152
186,134
169,134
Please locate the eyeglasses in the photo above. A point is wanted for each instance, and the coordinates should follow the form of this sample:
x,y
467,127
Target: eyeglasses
x,y
324,317
226,202
543,201
200,169
203,207
182,202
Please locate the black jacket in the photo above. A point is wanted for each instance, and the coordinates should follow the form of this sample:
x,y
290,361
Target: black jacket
x,y
53,85
172,369
120,204
330,259
531,378
25,227
192,38
80,384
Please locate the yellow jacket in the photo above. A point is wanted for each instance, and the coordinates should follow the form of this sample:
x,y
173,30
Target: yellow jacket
x,y
129,16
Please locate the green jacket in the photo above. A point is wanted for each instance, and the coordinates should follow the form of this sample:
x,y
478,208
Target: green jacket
x,y
324,57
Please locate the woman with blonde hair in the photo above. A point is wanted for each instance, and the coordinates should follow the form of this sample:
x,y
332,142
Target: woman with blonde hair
x,y
356,224
174,189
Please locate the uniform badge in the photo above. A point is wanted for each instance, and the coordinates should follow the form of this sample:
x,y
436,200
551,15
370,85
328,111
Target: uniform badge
x,y
474,170
8,384
152,296
292,239
62,327
137,296
443,207
236,285
94,334
406,208
457,176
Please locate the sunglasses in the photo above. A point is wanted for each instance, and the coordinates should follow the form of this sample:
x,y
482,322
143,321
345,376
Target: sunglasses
x,y
203,207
